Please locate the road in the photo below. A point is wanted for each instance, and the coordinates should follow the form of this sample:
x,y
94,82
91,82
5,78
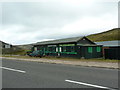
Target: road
x,y
24,74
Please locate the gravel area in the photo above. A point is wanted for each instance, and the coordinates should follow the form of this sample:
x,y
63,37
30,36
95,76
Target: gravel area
x,y
81,63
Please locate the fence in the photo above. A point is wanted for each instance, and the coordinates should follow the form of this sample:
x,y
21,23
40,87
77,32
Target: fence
x,y
112,53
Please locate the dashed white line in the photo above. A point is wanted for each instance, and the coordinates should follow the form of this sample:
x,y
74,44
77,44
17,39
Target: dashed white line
x,y
92,85
13,69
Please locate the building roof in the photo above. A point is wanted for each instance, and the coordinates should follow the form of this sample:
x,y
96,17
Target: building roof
x,y
4,42
58,41
109,43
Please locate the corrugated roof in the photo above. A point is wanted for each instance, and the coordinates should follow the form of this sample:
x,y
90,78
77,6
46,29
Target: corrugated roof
x,y
65,40
109,43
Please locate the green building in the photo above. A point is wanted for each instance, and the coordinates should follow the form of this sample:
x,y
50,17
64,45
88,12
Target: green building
x,y
77,47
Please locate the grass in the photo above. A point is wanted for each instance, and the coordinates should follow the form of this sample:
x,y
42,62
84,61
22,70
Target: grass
x,y
65,59
105,36
20,56
87,60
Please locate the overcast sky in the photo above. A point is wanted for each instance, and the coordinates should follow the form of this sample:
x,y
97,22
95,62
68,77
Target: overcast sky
x,y
30,22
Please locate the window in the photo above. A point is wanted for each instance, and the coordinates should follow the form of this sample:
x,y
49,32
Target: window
x,y
90,50
49,48
53,49
68,48
64,49
72,49
98,49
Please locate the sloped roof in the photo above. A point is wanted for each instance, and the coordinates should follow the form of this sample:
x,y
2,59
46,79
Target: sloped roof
x,y
65,40
1,41
4,43
109,43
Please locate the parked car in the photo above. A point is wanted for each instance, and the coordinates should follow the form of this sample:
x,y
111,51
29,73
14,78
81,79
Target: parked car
x,y
37,53
28,52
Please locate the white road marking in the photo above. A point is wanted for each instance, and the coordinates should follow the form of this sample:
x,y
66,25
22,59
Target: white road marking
x,y
13,69
82,83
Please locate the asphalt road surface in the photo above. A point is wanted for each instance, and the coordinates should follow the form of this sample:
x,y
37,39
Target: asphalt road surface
x,y
24,74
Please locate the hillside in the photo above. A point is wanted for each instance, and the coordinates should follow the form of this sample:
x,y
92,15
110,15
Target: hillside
x,y
105,36
25,47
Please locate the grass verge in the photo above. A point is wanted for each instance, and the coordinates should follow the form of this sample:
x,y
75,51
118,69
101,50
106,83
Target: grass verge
x,y
65,59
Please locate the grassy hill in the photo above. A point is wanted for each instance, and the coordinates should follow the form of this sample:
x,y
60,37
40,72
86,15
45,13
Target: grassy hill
x,y
105,36
25,47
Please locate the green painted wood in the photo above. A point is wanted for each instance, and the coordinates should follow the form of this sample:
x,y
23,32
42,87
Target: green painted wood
x,y
98,49
67,45
90,49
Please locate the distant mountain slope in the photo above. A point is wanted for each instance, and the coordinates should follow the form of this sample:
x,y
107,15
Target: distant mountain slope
x,y
25,47
105,36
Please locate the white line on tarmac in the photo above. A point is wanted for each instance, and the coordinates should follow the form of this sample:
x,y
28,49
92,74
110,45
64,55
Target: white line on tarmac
x,y
86,84
13,69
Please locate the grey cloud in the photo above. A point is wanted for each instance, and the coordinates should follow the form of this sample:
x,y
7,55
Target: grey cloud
x,y
25,13
45,19
22,13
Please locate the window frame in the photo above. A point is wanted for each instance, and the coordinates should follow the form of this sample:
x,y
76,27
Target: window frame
x,y
90,49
